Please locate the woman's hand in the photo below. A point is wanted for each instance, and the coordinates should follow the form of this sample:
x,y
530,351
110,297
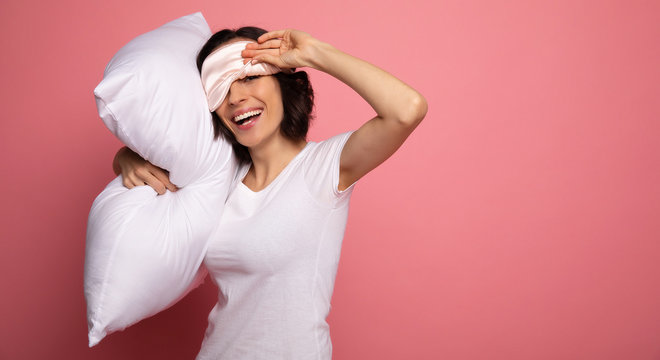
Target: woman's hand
x,y
135,171
285,49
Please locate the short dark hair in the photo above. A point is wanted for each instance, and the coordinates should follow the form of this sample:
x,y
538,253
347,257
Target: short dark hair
x,y
297,93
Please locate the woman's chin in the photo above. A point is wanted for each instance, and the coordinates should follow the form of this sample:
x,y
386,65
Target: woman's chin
x,y
248,142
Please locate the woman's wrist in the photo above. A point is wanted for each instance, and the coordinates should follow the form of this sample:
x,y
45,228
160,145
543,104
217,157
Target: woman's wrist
x,y
122,155
321,51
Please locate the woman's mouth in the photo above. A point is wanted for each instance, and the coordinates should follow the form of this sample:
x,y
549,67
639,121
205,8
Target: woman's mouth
x,y
246,120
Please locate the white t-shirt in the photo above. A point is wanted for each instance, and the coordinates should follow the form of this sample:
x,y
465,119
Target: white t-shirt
x,y
274,258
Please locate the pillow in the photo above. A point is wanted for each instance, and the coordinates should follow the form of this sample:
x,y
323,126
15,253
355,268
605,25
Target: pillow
x,y
143,251
152,99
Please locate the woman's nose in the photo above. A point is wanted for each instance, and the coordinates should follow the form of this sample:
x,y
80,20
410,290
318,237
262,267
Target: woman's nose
x,y
236,94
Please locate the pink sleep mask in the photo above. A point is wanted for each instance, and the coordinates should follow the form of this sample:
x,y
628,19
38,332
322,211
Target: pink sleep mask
x,y
224,66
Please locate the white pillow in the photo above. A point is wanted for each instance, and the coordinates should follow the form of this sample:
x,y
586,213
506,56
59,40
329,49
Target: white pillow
x,y
144,251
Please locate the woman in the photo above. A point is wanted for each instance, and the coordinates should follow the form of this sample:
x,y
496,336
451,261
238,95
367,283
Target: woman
x,y
275,252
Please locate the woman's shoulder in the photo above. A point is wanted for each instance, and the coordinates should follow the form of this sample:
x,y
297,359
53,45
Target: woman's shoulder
x,y
321,167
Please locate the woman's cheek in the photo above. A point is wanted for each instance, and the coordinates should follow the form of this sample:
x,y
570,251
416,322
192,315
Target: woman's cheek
x,y
228,125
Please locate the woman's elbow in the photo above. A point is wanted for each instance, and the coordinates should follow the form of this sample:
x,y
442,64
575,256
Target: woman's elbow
x,y
415,111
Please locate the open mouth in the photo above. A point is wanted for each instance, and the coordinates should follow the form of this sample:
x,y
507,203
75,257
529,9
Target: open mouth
x,y
247,117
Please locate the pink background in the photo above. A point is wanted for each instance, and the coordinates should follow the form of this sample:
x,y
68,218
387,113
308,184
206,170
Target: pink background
x,y
520,221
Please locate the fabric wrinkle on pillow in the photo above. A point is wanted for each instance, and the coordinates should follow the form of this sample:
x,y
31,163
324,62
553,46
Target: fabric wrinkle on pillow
x,y
144,251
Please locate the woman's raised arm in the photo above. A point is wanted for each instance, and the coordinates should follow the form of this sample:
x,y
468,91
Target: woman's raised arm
x,y
399,107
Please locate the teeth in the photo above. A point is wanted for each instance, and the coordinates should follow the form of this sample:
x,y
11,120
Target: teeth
x,y
247,115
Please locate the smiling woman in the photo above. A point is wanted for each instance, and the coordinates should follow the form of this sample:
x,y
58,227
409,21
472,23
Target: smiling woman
x,y
275,251
297,96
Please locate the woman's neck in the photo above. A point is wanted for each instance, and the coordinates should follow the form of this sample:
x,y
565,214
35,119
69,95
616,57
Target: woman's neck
x,y
269,159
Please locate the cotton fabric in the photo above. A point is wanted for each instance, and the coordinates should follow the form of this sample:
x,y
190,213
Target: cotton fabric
x,y
274,258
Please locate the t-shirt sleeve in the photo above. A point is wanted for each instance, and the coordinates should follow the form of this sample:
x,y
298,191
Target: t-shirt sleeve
x,y
322,171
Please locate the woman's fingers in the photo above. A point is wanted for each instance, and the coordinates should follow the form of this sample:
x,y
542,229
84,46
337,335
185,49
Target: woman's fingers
x,y
131,181
277,34
145,176
147,179
128,183
283,48
156,185
271,59
255,53
270,44
162,176
271,56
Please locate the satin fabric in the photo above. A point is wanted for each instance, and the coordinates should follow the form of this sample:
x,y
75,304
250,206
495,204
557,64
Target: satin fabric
x,y
224,66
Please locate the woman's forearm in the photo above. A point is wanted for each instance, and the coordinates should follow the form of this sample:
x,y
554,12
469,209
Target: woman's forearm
x,y
390,97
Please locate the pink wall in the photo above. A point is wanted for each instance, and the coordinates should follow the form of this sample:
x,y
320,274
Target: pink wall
x,y
521,220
